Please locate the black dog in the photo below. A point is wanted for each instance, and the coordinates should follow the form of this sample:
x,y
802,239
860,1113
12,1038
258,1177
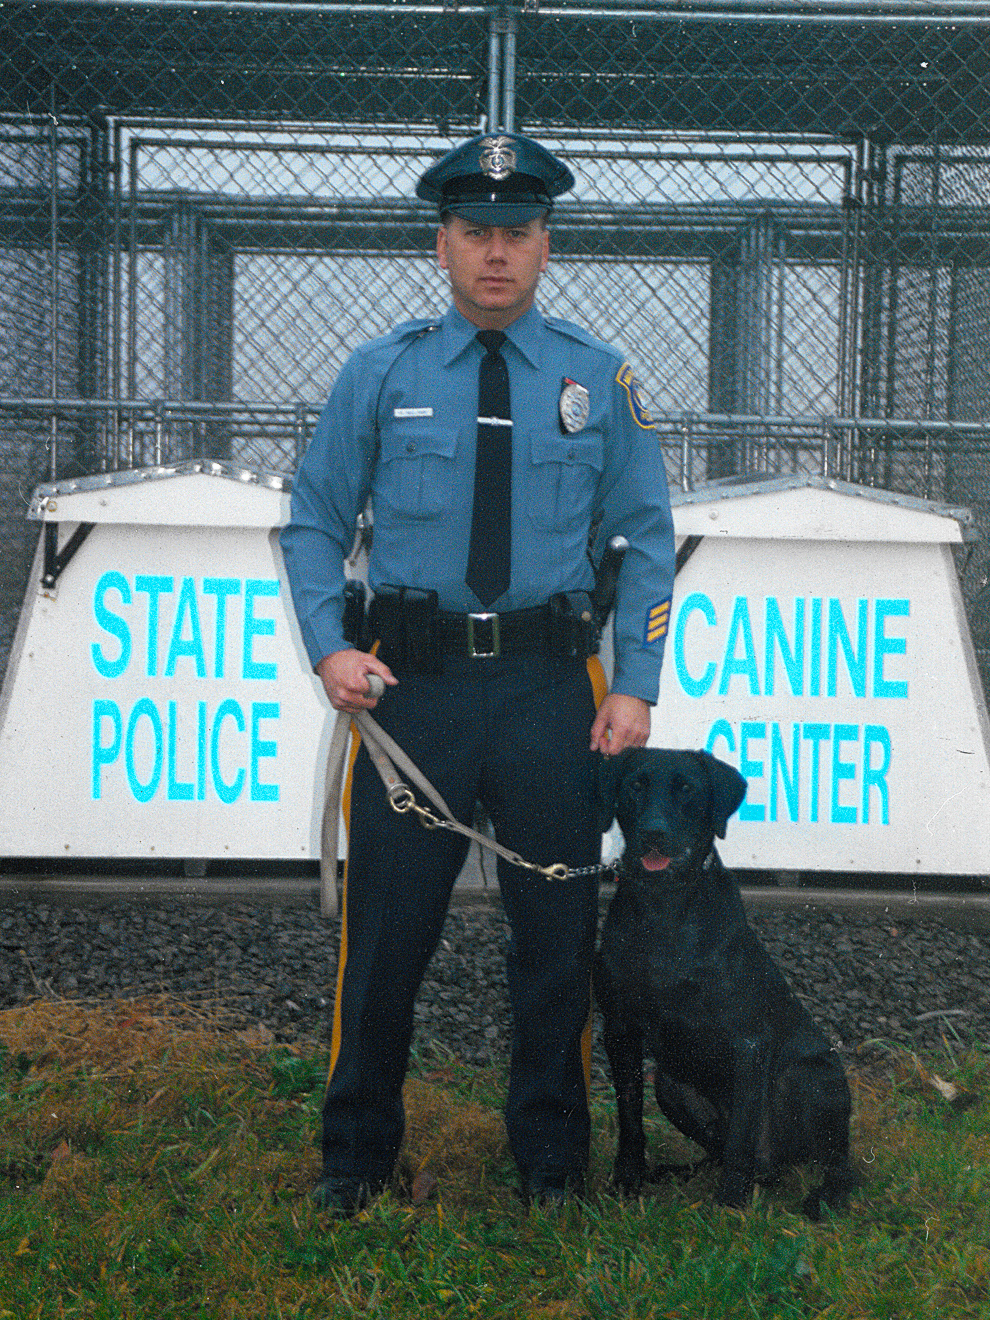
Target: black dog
x,y
741,1068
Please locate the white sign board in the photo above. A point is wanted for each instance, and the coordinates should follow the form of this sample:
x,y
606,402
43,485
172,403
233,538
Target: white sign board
x,y
157,701
818,643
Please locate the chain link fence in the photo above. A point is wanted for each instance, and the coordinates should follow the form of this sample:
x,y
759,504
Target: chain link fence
x,y
782,213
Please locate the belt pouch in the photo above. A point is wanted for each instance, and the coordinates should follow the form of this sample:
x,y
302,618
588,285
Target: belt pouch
x,y
405,619
422,631
385,620
573,635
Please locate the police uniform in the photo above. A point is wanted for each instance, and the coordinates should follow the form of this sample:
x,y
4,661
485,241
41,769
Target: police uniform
x,y
491,709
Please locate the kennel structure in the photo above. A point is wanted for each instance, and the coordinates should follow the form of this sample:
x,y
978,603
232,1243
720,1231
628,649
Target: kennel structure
x,y
819,643
782,214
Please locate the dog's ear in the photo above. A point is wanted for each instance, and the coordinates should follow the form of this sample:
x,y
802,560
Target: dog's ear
x,y
728,791
609,772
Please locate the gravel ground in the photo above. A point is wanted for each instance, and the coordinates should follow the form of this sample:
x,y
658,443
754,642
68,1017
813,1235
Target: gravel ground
x,y
864,979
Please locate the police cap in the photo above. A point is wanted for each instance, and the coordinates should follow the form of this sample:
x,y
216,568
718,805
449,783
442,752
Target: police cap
x,y
499,179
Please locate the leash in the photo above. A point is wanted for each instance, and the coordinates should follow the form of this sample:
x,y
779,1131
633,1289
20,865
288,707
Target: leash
x,y
388,758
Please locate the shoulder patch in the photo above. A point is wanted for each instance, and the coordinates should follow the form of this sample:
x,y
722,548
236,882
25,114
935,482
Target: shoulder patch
x,y
657,622
627,380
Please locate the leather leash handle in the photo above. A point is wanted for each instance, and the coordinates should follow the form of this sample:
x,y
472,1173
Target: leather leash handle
x,y
333,783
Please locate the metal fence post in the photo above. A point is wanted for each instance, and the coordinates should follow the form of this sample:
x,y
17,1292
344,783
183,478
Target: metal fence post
x,y
495,30
509,73
55,314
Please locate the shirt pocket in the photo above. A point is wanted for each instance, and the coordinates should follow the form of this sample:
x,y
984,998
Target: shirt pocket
x,y
415,469
564,477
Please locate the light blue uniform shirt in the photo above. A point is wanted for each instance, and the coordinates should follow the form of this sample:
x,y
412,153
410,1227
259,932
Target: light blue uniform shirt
x,y
401,426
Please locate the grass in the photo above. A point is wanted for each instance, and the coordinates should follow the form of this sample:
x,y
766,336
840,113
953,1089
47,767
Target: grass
x,y
155,1164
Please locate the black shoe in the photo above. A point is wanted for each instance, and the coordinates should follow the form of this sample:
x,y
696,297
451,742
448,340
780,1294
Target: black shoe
x,y
343,1197
552,1188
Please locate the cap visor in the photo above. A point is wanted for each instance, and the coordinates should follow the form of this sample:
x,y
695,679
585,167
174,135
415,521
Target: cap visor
x,y
497,213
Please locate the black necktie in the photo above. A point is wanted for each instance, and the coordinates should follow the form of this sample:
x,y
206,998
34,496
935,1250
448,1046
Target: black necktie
x,y
491,526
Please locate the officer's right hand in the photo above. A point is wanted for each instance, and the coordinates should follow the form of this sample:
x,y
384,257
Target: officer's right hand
x,y
345,677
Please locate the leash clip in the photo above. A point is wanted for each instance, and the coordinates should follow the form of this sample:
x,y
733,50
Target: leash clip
x,y
401,799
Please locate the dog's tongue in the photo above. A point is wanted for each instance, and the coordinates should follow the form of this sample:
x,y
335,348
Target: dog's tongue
x,y
654,860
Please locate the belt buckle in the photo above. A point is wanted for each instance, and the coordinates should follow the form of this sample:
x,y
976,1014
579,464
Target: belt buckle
x,y
473,620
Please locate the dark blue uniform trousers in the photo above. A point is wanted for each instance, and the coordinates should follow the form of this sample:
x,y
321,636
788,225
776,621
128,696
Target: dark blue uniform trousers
x,y
512,732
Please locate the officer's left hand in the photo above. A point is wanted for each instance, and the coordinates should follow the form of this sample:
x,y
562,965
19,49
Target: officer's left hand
x,y
622,722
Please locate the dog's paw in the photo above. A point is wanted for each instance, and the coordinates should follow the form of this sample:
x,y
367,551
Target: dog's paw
x,y
831,1196
735,1193
628,1177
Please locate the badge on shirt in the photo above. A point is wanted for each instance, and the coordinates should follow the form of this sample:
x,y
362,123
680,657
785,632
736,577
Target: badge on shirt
x,y
641,415
575,406
657,622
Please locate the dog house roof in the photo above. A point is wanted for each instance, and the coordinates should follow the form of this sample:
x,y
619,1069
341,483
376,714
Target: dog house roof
x,y
179,495
812,508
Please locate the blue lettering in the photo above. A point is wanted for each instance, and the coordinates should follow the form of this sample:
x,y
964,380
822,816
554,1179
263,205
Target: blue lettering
x,y
262,710
201,751
221,588
838,635
193,646
721,729
815,677
751,770
700,603
841,814
884,646
786,771
178,790
113,624
105,753
226,792
876,776
257,627
746,665
778,770
156,587
816,734
146,707
793,658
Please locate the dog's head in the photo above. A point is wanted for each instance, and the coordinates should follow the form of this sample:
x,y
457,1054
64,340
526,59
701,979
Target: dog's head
x,y
670,805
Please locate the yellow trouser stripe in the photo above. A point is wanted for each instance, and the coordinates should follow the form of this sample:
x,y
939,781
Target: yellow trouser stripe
x,y
345,805
599,686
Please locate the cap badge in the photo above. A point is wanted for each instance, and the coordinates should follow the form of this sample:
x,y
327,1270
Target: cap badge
x,y
575,406
497,158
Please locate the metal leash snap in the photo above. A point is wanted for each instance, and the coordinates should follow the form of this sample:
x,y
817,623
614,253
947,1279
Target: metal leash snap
x,y
401,798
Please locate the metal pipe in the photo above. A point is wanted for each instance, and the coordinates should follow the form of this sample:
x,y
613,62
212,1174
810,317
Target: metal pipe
x,y
509,73
132,273
925,13
494,70
55,309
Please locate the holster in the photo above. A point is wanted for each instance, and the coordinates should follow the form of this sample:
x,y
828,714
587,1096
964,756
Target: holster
x,y
354,622
405,620
573,631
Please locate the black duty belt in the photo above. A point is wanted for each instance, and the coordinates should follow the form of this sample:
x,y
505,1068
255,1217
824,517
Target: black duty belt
x,y
416,633
485,636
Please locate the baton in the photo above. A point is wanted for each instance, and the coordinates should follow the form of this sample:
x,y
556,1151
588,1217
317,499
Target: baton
x,y
607,577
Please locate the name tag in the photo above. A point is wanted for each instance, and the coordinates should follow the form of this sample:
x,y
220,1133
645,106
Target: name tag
x,y
412,412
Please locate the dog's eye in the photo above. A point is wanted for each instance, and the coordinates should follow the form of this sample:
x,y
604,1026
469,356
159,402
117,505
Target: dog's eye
x,y
686,795
636,788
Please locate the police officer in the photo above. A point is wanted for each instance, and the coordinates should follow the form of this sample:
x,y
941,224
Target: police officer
x,y
490,441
